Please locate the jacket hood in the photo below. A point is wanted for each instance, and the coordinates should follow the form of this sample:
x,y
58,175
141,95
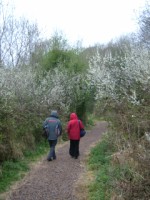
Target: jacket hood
x,y
54,113
73,116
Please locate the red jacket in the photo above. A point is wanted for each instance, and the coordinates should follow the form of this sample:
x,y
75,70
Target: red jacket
x,y
73,127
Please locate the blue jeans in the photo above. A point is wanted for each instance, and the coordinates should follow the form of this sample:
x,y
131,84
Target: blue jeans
x,y
52,154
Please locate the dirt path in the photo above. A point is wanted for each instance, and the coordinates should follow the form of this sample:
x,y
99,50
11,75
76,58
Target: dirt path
x,y
56,180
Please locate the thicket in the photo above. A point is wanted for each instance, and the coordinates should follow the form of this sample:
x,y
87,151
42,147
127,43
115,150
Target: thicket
x,y
121,72
36,76
27,97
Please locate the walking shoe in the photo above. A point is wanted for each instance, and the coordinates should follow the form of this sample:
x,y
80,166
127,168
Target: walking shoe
x,y
49,159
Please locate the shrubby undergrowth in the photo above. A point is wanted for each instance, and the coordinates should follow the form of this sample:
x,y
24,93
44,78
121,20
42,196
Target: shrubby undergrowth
x,y
27,96
123,99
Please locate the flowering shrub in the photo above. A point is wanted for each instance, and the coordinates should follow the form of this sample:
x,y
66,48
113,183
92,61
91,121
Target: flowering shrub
x,y
30,96
118,82
123,96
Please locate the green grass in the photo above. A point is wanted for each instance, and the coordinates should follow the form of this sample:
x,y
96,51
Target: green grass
x,y
107,176
91,120
99,163
11,171
15,170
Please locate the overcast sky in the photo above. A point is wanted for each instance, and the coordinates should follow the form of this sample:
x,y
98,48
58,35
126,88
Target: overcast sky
x,y
91,21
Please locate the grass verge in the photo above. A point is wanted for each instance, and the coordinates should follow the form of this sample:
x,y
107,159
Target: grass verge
x,y
99,164
15,170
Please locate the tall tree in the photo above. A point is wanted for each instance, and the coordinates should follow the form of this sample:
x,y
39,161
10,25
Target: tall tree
x,y
144,23
17,37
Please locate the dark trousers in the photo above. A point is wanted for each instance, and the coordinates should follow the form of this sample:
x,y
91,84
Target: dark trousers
x,y
52,154
74,148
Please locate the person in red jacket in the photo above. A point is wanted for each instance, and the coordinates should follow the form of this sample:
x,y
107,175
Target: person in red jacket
x,y
73,130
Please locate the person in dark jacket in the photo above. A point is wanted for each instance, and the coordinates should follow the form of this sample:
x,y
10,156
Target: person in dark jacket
x,y
73,130
54,129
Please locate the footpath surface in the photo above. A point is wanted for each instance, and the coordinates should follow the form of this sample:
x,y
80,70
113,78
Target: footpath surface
x,y
56,180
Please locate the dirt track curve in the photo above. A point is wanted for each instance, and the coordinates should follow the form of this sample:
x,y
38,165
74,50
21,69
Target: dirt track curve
x,y
56,180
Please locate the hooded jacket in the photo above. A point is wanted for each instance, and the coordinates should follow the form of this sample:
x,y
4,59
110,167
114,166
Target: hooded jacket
x,y
50,124
73,127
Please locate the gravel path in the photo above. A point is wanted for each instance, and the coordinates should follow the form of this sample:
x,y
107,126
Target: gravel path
x,y
56,180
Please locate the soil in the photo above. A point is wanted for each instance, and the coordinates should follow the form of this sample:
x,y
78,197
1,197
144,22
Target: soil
x,y
62,179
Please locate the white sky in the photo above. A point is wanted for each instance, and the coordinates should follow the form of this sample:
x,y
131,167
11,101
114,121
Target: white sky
x,y
90,21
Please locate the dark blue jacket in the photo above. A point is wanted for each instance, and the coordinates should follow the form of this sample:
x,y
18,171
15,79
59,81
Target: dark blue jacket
x,y
50,124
